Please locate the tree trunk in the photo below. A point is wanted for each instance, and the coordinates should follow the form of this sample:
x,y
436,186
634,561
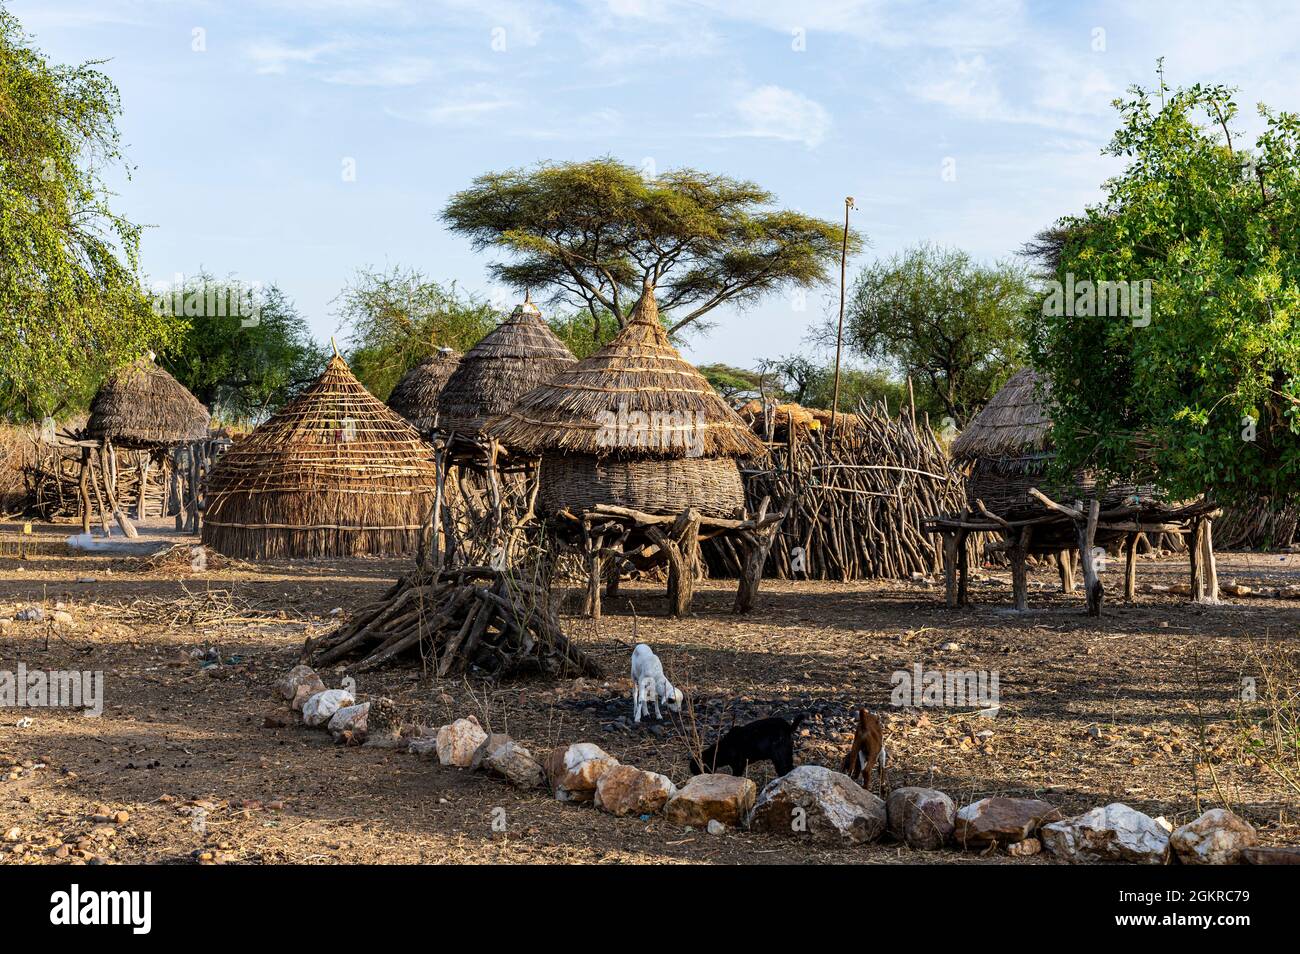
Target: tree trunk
x,y
1092,587
1130,565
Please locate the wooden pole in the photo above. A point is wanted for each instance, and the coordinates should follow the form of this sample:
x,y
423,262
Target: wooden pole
x,y
83,483
1092,587
1130,565
1065,563
1210,571
839,334
1019,574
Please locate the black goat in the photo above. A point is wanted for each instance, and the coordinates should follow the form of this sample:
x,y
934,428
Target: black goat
x,y
763,740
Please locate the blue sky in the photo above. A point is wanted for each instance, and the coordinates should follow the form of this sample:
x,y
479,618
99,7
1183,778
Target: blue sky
x,y
242,117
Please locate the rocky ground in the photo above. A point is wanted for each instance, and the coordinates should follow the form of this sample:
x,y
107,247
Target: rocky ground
x,y
190,762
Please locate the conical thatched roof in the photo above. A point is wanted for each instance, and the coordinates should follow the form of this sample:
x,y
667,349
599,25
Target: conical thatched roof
x,y
635,397
334,473
1015,423
512,359
416,396
141,405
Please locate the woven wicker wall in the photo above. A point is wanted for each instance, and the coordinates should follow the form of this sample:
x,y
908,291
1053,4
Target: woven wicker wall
x,y
578,482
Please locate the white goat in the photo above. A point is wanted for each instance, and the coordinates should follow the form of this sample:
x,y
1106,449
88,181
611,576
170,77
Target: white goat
x,y
649,684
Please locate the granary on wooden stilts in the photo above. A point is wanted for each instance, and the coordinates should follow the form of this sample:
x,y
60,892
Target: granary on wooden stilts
x,y
415,396
335,473
486,490
143,411
638,458
510,360
1006,453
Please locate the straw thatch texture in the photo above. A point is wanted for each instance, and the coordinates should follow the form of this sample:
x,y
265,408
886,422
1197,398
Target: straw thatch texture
x,y
143,406
635,397
512,359
1007,449
416,396
579,482
1014,424
335,473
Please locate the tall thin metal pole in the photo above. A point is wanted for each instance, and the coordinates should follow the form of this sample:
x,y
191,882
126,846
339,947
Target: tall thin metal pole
x,y
839,335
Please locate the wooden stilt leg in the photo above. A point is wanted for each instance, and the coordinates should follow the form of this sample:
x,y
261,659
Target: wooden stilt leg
x,y
1130,565
1092,587
1209,568
83,483
1019,575
1195,549
963,560
756,544
950,568
1065,564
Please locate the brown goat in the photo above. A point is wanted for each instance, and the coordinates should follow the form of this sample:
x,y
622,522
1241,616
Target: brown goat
x,y
867,751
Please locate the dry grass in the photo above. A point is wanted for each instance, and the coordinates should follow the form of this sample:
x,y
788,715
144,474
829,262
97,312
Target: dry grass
x,y
141,405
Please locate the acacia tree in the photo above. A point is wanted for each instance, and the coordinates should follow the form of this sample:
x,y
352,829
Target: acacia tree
x,y
397,318
1201,393
591,233
71,305
953,325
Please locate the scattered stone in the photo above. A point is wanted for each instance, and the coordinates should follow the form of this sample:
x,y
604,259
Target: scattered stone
x,y
1001,820
921,818
625,790
825,806
458,741
301,696
726,798
63,618
350,719
1271,856
502,757
1216,838
950,647
1025,848
13,834
296,677
715,827
573,770
320,708
32,614
1113,833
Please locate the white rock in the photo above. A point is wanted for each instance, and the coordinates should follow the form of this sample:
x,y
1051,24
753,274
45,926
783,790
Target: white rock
x,y
502,757
716,827
298,676
573,770
32,614
1113,833
825,806
1216,838
350,719
458,741
320,708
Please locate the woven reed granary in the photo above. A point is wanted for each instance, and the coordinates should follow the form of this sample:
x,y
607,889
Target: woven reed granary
x,y
1007,449
334,473
416,396
634,425
143,407
511,359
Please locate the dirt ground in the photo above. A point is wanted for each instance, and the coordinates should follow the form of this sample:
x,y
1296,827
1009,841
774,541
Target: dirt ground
x,y
1139,706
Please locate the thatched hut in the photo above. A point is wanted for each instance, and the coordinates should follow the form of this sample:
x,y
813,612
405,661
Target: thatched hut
x,y
143,407
511,359
335,473
1007,449
634,425
415,397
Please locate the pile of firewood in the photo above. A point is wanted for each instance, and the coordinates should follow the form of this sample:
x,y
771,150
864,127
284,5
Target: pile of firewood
x,y
857,497
457,620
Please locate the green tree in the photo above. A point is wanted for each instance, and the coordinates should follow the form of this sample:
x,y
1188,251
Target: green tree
x,y
397,318
591,233
734,384
1197,387
245,362
71,306
954,326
